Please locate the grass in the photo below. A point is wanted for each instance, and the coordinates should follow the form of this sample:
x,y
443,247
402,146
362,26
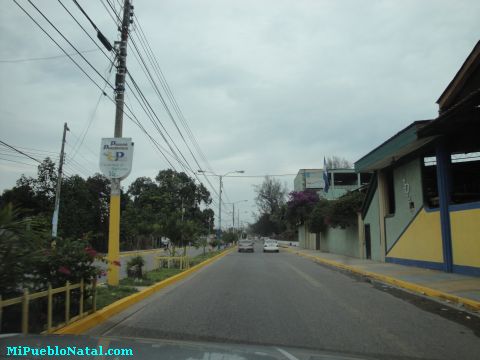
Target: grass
x,y
150,277
200,258
109,294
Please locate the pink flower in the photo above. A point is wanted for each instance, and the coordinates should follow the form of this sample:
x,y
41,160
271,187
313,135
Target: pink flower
x,y
64,270
90,251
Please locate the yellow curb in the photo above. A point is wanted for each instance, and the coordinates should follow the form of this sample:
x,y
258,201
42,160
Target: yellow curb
x,y
139,252
420,289
82,325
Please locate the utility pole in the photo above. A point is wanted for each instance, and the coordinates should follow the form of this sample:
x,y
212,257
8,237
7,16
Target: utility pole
x,y
59,184
233,217
114,221
220,210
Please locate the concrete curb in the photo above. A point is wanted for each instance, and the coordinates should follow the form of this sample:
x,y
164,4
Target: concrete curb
x,y
86,323
420,289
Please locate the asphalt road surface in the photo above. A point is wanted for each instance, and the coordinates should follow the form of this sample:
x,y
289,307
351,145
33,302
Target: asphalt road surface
x,y
285,300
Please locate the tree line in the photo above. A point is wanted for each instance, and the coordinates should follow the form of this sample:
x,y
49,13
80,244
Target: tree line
x,y
172,205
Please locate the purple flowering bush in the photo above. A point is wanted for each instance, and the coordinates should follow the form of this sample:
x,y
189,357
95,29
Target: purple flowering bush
x,y
299,205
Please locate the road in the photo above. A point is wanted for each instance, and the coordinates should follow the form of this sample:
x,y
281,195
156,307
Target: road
x,y
285,300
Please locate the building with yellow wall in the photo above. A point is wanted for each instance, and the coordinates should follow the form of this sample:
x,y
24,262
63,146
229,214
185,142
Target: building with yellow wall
x,y
423,203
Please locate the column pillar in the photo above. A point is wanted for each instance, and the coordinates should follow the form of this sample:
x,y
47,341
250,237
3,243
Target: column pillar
x,y
443,183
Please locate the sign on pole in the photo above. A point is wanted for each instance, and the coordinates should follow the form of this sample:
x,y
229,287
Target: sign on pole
x,y
116,156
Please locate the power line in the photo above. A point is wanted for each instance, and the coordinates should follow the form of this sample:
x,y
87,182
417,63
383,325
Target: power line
x,y
165,85
19,151
157,70
133,118
45,58
259,176
162,100
63,36
58,45
85,31
17,162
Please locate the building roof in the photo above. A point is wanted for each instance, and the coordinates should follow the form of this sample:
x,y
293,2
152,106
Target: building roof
x,y
399,145
469,66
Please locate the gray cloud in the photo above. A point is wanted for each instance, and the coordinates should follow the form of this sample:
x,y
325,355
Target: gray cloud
x,y
268,87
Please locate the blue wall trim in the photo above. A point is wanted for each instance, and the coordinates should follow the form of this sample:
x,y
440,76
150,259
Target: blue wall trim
x,y
466,270
457,207
466,206
418,263
459,269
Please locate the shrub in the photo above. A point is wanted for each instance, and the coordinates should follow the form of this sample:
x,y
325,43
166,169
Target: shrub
x,y
134,267
343,212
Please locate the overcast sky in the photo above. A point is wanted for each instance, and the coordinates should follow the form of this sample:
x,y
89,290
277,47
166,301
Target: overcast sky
x,y
268,87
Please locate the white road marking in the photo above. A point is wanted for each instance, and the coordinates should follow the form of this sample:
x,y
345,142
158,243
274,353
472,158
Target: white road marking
x,y
286,354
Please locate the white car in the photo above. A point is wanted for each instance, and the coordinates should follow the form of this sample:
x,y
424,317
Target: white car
x,y
270,246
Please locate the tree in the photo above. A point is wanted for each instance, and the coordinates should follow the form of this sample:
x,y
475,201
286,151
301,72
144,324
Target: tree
x,y
271,195
343,212
34,195
318,218
299,206
336,162
265,226
18,245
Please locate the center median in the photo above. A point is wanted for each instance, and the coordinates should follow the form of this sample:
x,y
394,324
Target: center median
x,y
104,314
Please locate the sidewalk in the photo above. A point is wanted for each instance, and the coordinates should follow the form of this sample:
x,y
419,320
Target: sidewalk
x,y
460,289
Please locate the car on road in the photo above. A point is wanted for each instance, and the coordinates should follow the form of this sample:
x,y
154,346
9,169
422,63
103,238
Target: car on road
x,y
270,246
245,246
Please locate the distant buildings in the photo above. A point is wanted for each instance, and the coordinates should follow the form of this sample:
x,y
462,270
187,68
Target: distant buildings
x,y
341,181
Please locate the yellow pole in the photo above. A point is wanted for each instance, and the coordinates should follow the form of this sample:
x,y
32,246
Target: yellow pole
x,y
114,239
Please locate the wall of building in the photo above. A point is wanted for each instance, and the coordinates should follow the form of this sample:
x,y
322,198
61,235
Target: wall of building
x,y
341,241
465,230
421,243
408,191
337,191
372,219
299,181
301,236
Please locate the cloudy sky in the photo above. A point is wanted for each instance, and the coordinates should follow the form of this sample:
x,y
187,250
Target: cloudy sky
x,y
268,87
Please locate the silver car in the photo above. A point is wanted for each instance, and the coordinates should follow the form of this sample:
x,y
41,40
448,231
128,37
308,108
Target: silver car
x,y
245,246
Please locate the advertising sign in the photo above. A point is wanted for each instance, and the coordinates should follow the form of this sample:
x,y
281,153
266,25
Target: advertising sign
x,y
116,155
314,180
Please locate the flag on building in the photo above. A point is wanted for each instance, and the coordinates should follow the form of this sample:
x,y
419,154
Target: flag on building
x,y
326,176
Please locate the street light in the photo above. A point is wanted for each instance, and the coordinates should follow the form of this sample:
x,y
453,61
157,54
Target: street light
x,y
220,193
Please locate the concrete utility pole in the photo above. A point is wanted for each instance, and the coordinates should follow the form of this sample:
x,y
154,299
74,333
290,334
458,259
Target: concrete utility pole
x,y
114,221
59,184
220,195
220,209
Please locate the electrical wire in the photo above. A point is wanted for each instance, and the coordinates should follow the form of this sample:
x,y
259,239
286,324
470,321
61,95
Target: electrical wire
x,y
11,61
58,45
63,36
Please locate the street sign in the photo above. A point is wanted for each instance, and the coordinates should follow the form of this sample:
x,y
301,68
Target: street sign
x,y
116,156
